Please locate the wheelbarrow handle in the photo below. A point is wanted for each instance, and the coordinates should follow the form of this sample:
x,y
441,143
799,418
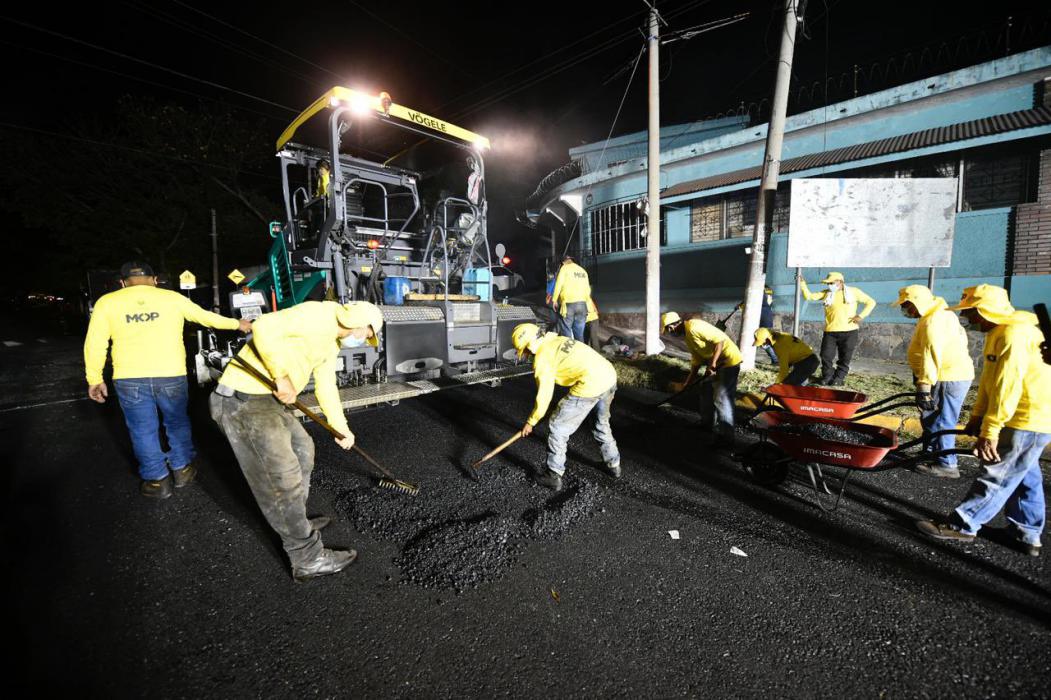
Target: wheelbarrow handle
x,y
882,403
930,436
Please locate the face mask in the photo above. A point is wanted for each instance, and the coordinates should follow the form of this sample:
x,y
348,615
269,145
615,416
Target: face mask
x,y
770,299
833,288
352,342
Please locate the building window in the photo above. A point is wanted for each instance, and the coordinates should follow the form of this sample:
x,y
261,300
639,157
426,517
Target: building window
x,y
706,222
733,215
618,227
992,180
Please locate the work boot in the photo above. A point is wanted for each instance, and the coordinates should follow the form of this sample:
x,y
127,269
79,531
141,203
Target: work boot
x,y
157,488
550,479
943,531
319,522
1030,548
185,475
939,470
613,468
329,561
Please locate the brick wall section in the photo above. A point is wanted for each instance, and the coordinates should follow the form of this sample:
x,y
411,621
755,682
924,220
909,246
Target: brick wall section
x,y
1032,234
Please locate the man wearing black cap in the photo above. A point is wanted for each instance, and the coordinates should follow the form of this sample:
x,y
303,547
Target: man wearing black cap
x,y
145,324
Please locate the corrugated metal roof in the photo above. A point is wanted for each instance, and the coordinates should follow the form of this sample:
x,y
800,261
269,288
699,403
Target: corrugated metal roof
x,y
988,126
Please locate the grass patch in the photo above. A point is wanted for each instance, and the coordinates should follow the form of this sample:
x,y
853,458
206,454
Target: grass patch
x,y
658,371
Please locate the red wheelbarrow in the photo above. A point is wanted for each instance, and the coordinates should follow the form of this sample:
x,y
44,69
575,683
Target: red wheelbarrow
x,y
787,439
828,403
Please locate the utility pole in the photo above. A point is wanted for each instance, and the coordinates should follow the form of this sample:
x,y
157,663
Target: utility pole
x,y
768,188
653,197
215,266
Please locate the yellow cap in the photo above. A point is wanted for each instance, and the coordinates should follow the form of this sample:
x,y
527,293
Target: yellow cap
x,y
918,294
834,277
359,314
762,335
523,335
668,318
991,302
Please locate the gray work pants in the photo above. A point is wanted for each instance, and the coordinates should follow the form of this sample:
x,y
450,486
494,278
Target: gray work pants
x,y
276,456
569,414
717,398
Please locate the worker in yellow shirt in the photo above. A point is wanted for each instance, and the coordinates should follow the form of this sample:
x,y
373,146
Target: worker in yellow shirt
x,y
721,358
1012,420
796,360
942,370
145,324
841,324
570,297
592,383
274,450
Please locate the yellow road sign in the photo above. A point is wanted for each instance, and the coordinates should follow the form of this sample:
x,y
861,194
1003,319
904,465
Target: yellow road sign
x,y
187,280
236,277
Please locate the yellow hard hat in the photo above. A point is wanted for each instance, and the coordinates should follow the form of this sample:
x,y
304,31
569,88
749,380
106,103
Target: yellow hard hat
x,y
762,335
668,318
834,277
991,302
918,294
359,314
523,335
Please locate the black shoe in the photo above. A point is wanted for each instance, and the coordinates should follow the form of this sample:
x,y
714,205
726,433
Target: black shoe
x,y
1032,550
156,488
613,469
939,470
319,522
549,479
943,531
330,561
184,476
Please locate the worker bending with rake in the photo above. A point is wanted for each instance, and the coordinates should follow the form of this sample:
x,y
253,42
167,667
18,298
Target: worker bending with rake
x,y
942,370
592,383
842,320
796,360
1012,420
721,358
275,452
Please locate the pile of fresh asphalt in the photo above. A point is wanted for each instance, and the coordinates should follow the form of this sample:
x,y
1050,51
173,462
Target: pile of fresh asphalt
x,y
457,533
833,433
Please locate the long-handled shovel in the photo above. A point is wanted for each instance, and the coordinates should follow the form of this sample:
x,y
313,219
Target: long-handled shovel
x,y
696,382
389,481
510,441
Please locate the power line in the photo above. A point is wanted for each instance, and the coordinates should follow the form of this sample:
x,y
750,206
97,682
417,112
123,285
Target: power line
x,y
147,81
174,21
259,39
147,63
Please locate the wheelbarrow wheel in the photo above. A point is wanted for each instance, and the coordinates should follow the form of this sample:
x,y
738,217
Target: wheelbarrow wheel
x,y
766,463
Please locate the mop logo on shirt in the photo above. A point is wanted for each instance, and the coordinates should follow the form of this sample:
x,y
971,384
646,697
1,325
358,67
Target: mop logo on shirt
x,y
141,318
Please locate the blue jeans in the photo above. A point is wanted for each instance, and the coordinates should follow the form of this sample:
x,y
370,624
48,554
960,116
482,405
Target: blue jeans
x,y
569,414
717,402
572,324
140,399
948,400
1014,483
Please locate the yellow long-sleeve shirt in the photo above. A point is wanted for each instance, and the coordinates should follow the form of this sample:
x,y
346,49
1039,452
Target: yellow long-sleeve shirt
x,y
938,350
296,343
839,312
789,350
1015,388
145,324
568,362
701,339
571,285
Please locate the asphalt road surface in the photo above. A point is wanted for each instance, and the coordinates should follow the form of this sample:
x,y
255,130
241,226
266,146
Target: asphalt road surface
x,y
495,587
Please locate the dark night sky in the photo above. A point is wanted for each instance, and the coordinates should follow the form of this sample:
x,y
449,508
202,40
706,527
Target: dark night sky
x,y
452,60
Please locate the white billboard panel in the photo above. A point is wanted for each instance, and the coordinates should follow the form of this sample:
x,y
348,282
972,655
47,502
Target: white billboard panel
x,y
872,222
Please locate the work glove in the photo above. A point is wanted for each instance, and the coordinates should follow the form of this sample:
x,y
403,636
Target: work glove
x,y
924,400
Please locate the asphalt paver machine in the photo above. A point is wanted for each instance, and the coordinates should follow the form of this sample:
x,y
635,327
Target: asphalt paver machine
x,y
412,240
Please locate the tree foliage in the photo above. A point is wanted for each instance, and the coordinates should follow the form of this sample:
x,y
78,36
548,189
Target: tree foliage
x,y
141,185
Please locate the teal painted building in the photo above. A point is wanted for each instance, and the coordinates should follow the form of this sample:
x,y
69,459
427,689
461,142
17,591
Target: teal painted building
x,y
988,125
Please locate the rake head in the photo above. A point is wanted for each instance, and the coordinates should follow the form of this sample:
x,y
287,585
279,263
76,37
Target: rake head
x,y
399,486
